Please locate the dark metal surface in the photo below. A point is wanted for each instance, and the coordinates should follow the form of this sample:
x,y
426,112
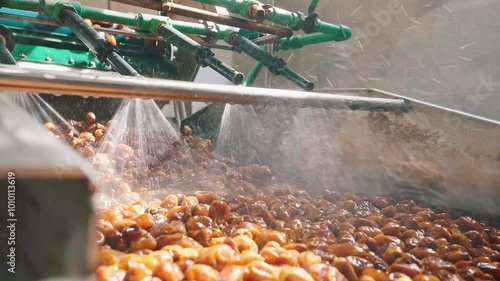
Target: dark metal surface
x,y
136,34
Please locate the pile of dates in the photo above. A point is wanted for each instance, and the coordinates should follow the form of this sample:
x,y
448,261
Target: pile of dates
x,y
289,235
250,227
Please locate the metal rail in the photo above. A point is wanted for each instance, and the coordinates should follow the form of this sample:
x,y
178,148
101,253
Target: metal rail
x,y
172,8
147,4
68,83
199,14
137,34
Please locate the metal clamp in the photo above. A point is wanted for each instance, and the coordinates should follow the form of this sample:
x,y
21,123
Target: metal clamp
x,y
212,32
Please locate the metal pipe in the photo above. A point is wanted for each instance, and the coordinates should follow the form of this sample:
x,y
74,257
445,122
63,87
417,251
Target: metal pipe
x,y
177,114
102,49
172,8
204,56
105,15
225,70
183,110
326,32
267,39
24,21
108,16
251,9
68,83
148,4
276,65
252,75
105,51
254,72
312,7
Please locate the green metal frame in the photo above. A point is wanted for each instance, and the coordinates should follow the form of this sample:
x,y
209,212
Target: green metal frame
x,y
49,44
84,59
144,22
325,31
43,54
322,31
295,20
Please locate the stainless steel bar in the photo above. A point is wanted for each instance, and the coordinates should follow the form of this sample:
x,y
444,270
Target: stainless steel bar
x,y
219,46
68,83
265,39
177,114
435,107
183,111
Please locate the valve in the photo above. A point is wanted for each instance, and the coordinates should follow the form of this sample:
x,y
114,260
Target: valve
x,y
276,65
311,24
100,47
204,56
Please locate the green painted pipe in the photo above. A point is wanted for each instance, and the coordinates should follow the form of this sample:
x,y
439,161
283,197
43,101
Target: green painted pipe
x,y
312,6
30,5
293,20
252,75
327,32
144,21
203,55
276,65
